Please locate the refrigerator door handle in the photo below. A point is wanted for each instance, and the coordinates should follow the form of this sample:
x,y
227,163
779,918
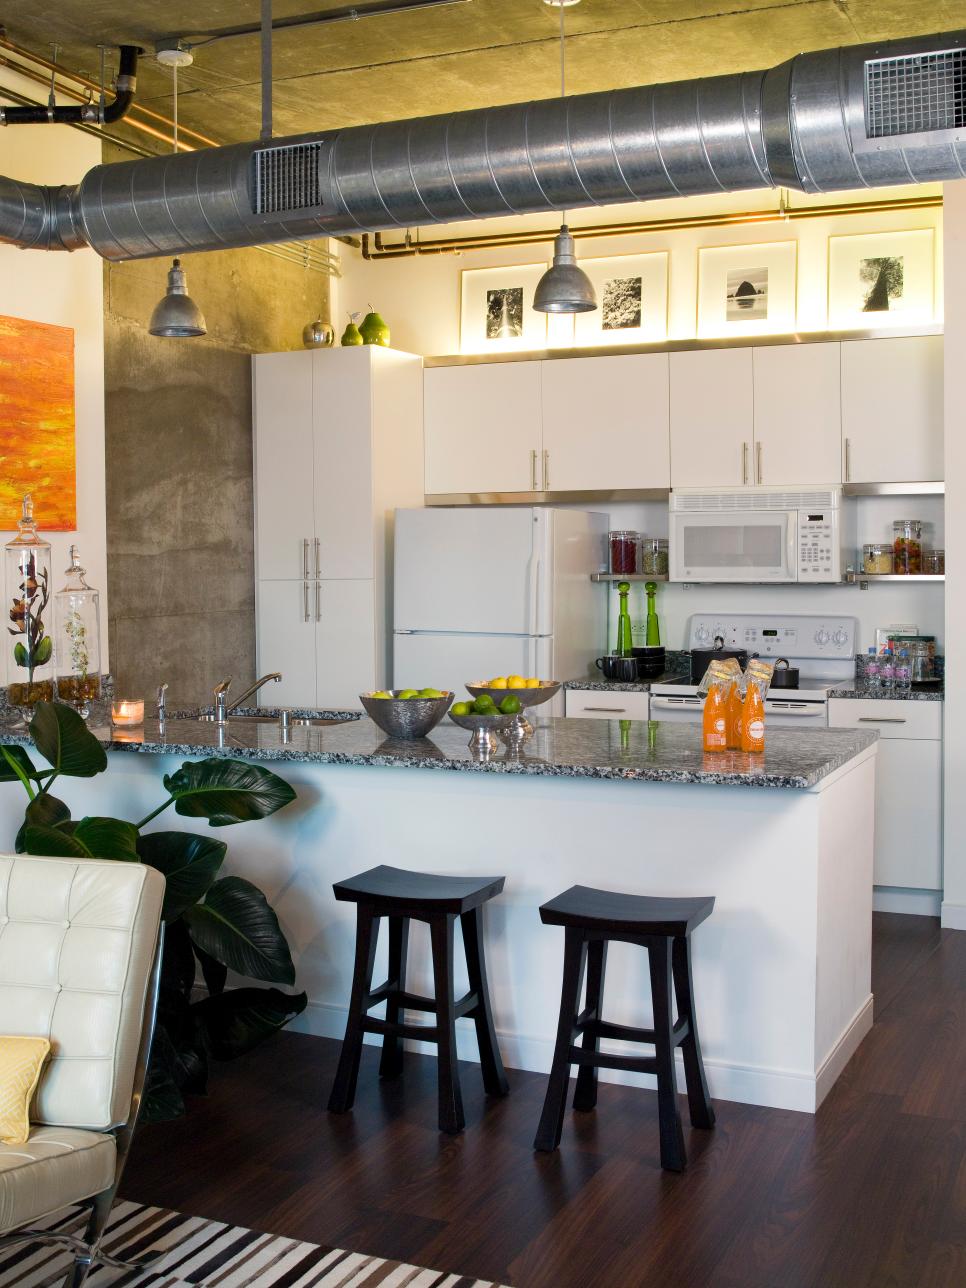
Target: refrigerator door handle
x,y
534,571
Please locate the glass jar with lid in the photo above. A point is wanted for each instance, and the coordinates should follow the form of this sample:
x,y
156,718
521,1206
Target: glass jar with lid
x,y
654,560
624,545
77,634
27,576
877,559
907,546
934,562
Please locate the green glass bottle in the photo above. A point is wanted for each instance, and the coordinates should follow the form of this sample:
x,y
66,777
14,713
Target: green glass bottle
x,y
625,642
653,631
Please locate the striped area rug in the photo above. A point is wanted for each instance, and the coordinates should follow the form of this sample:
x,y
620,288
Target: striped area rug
x,y
213,1255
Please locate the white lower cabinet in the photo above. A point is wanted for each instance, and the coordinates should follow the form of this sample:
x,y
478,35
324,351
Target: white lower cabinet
x,y
908,792
597,704
285,641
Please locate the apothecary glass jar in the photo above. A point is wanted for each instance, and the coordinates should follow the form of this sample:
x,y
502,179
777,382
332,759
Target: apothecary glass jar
x,y
77,648
27,580
907,546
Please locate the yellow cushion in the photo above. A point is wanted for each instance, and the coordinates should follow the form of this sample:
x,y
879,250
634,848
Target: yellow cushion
x,y
21,1060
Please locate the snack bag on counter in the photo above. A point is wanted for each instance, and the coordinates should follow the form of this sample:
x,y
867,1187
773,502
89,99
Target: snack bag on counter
x,y
759,673
723,671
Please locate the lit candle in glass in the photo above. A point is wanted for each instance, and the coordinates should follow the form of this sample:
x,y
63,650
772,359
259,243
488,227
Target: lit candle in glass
x,y
127,711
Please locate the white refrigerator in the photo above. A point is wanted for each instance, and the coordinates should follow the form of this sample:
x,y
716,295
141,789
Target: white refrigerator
x,y
481,592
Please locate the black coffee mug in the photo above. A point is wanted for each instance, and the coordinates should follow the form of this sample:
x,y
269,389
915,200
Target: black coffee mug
x,y
619,668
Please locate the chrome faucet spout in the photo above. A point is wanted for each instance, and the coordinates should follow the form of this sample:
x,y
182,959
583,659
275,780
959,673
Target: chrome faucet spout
x,y
272,677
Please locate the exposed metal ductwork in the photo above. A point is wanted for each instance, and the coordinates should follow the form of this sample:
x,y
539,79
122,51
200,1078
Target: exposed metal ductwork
x,y
860,117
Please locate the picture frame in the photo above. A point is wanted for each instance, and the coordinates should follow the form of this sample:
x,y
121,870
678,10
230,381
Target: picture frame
x,y
881,279
496,309
632,300
747,289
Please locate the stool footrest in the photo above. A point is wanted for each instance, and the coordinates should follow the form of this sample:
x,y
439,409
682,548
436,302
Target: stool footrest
x,y
418,1032
610,1060
623,1033
414,1002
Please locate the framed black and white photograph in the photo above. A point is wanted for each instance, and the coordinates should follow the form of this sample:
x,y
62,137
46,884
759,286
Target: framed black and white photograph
x,y
632,295
747,290
881,279
496,309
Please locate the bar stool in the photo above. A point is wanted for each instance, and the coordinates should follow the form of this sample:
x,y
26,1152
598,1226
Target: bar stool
x,y
592,918
422,896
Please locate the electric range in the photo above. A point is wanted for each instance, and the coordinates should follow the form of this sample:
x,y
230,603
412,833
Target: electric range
x,y
823,649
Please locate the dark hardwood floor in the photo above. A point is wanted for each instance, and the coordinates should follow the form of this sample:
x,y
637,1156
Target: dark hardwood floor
x,y
868,1193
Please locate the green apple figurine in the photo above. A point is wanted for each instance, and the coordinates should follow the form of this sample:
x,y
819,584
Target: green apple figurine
x,y
374,329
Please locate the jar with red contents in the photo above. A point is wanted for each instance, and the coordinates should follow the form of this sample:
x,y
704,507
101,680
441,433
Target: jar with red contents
x,y
625,547
907,546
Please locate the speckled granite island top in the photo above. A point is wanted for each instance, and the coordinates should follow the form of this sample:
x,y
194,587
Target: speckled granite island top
x,y
933,693
602,749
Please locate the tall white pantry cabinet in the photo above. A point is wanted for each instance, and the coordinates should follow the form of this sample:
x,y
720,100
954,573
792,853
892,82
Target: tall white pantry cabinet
x,y
338,446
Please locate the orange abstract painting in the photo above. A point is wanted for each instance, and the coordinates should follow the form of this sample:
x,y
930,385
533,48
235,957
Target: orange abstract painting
x,y
37,452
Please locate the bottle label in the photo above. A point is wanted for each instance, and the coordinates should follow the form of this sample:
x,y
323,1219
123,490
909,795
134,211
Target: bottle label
x,y
756,730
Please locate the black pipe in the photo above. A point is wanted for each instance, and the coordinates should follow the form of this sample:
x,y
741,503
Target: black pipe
x,y
84,113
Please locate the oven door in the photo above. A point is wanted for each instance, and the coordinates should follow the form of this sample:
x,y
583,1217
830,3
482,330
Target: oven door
x,y
743,546
780,713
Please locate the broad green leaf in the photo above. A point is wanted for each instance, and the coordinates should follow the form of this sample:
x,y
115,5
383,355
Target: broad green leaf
x,y
227,791
177,974
44,651
10,754
63,739
237,926
189,864
43,811
162,1095
91,838
215,974
20,655
240,1019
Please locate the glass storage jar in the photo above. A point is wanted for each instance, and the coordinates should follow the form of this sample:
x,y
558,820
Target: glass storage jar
x,y
934,562
77,639
27,575
654,560
907,546
877,560
624,545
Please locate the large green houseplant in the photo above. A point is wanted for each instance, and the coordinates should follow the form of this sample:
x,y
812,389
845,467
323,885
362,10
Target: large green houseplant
x,y
217,923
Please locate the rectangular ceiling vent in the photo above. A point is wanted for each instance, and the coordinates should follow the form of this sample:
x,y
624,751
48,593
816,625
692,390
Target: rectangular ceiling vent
x,y
286,178
916,94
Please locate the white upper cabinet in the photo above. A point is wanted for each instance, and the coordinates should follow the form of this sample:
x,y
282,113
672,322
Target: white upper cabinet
x,y
798,416
712,418
482,428
342,422
284,491
606,423
892,409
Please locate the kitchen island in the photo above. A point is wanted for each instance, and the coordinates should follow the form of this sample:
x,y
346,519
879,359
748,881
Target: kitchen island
x,y
783,841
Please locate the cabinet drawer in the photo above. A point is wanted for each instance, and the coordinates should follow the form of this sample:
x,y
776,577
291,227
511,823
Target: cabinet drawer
x,y
892,719
591,704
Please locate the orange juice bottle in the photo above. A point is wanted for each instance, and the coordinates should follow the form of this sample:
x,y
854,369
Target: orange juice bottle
x,y
753,720
715,720
733,718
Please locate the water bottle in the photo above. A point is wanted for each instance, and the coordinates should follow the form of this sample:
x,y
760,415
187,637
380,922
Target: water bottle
x,y
873,678
903,673
887,671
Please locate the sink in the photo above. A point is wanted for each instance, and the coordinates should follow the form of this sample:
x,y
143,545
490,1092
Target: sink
x,y
296,722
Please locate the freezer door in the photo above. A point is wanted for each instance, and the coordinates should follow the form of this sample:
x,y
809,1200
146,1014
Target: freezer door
x,y
470,570
453,661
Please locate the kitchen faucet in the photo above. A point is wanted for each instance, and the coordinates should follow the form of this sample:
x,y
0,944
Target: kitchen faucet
x,y
222,709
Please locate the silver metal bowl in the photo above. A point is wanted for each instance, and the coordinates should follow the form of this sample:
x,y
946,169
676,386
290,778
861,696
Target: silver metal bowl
x,y
526,697
405,717
484,728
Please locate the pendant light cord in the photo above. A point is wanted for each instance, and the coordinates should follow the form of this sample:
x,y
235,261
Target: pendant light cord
x,y
563,78
174,80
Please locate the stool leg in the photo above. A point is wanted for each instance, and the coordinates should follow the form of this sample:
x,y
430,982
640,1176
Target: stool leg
x,y
491,1065
585,1097
450,1095
555,1103
390,1065
673,1157
699,1102
344,1087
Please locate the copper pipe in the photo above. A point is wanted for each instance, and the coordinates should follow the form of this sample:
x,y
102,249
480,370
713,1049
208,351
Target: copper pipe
x,y
450,245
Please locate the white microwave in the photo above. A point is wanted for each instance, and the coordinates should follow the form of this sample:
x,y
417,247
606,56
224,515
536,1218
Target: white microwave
x,y
760,535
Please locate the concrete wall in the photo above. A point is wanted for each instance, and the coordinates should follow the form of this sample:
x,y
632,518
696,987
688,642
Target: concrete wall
x,y
179,465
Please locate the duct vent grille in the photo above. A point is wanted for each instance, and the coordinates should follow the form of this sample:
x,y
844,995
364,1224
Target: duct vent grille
x,y
286,178
915,94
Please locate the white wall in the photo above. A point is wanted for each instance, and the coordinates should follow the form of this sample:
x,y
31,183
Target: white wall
x,y
64,290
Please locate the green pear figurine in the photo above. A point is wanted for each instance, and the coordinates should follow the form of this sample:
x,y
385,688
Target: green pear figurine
x,y
374,329
352,334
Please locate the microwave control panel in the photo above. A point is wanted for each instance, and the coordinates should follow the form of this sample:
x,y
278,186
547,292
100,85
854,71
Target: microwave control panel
x,y
818,549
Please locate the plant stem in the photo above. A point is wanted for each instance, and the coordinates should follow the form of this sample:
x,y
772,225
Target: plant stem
x,y
17,769
154,813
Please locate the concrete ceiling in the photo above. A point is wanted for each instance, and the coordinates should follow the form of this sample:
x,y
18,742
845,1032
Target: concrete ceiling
x,y
445,59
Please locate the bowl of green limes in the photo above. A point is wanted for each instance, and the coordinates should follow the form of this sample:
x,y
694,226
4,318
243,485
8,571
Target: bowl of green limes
x,y
484,719
406,713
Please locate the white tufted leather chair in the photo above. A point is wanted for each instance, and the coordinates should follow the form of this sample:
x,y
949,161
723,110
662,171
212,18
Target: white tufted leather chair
x,y
80,965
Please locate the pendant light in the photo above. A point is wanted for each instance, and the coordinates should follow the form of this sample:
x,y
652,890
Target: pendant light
x,y
176,316
564,287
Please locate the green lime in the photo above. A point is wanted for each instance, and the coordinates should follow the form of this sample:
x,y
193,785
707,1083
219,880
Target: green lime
x,y
484,706
431,693
407,693
381,694
510,706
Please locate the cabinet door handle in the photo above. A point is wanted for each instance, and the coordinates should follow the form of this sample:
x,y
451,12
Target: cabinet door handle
x,y
318,601
305,558
758,469
880,720
533,469
744,462
615,710
305,600
848,460
546,471
318,557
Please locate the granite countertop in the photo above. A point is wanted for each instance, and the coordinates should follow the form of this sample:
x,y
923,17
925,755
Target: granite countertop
x,y
934,693
602,749
595,684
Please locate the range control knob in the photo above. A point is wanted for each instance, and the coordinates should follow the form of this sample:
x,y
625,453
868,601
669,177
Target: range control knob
x,y
822,637
840,638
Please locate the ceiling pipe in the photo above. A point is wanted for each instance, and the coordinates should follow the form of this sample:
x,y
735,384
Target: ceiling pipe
x,y
89,113
865,116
